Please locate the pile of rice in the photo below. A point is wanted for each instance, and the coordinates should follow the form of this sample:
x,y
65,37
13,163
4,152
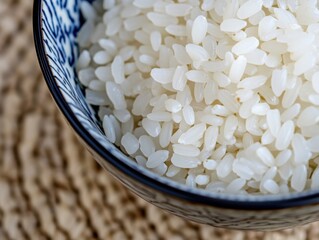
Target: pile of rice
x,y
221,95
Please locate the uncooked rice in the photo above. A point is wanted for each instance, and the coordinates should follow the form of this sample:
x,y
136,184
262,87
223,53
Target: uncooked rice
x,y
218,95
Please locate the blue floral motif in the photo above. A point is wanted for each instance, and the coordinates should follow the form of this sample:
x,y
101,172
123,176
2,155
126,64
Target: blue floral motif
x,y
61,22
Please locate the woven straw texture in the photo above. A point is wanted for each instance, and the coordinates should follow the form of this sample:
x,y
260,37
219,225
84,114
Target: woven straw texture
x,y
50,187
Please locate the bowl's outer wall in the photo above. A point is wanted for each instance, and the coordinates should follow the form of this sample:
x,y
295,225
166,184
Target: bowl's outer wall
x,y
218,217
55,27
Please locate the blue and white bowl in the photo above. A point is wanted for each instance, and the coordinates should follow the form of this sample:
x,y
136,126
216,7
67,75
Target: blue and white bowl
x,y
56,24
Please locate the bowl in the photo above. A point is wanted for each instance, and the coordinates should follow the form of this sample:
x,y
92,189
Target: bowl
x,y
56,24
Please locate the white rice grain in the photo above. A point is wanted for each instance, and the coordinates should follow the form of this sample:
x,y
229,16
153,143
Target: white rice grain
x,y
249,8
186,150
274,122
265,156
300,148
285,135
166,134
271,186
199,29
217,95
161,20
116,96
189,115
308,117
232,25
252,82
172,171
197,53
178,10
153,128
299,177
185,162
313,145
256,57
210,164
237,69
197,76
146,145
225,166
157,158
163,75
202,179
109,129
283,157
193,134
245,46
130,143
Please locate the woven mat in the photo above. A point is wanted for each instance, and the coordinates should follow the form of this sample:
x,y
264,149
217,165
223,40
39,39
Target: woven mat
x,y
50,187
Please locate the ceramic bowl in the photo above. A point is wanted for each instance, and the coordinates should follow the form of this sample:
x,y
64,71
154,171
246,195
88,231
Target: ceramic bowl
x,y
56,24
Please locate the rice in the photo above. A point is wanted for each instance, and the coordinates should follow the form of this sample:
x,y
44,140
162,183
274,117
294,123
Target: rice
x,y
185,162
217,95
147,146
232,25
130,143
199,29
249,8
157,158
186,150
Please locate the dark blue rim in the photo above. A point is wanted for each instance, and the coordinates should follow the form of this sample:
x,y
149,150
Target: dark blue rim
x,y
312,198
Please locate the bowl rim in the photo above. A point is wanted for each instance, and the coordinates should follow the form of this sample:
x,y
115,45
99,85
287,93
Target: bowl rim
x,y
311,197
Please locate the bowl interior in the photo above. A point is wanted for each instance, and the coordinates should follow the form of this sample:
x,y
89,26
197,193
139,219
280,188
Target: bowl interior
x,y
59,22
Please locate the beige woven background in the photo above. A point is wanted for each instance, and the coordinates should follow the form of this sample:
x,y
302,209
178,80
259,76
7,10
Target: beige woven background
x,y
50,187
